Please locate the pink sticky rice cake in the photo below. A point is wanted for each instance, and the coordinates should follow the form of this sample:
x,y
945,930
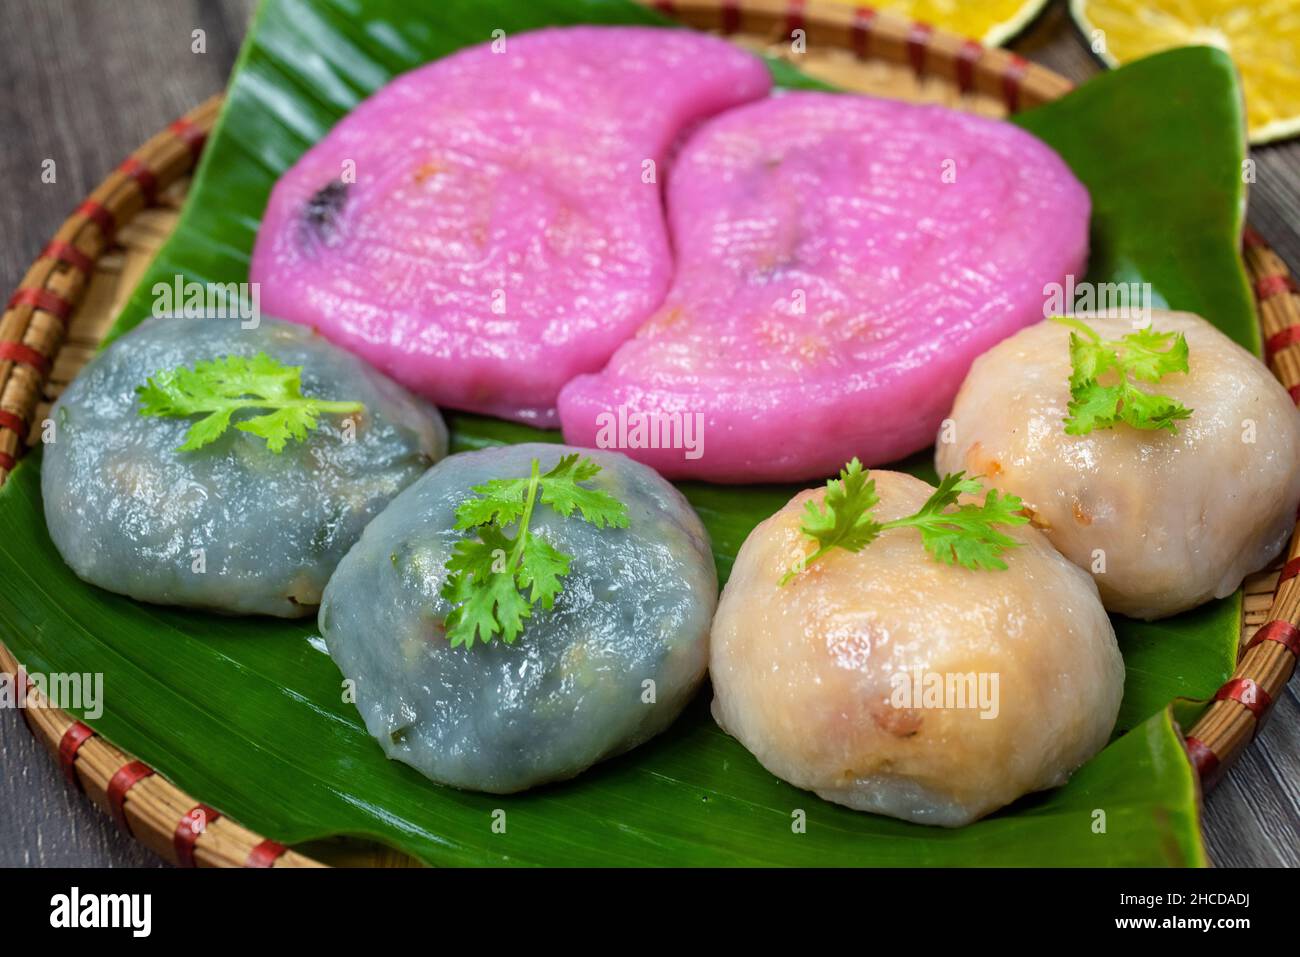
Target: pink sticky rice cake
x,y
841,261
487,227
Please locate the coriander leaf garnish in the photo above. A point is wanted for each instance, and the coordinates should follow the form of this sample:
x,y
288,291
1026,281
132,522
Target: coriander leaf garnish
x,y
965,537
1145,356
487,575
219,388
843,519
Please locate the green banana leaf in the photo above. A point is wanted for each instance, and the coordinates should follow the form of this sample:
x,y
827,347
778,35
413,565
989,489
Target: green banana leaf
x,y
248,715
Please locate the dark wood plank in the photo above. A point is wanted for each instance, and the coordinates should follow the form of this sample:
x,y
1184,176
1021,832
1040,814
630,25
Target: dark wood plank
x,y
92,81
88,83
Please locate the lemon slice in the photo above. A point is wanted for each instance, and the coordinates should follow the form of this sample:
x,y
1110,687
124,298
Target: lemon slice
x,y
990,21
1261,36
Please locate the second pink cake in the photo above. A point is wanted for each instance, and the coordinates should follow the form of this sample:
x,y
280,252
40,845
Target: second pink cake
x,y
841,261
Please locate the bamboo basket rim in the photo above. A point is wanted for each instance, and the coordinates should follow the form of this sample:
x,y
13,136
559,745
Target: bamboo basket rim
x,y
931,63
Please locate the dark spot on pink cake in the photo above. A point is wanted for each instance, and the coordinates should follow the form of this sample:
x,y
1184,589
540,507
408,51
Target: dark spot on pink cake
x,y
321,214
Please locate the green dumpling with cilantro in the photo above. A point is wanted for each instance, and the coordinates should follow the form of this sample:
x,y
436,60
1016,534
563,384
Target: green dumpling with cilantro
x,y
200,463
521,613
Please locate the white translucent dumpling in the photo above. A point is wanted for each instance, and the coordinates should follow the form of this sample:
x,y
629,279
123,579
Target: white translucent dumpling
x,y
888,682
1164,521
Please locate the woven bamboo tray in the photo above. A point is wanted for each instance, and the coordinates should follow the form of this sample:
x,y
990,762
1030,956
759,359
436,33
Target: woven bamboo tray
x,y
70,296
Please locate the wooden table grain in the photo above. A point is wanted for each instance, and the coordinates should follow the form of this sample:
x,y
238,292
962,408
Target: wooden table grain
x,y
90,81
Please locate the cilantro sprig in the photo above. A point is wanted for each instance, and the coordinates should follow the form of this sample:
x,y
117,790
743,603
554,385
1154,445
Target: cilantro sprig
x,y
488,575
966,536
1144,356
219,388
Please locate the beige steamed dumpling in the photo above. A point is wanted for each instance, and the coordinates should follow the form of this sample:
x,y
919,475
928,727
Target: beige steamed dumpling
x,y
888,682
1165,522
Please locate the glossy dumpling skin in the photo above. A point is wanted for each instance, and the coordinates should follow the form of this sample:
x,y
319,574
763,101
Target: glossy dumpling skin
x,y
128,511
1180,518
500,234
803,675
570,690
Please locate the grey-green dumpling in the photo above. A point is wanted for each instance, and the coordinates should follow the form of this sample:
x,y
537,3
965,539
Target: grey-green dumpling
x,y
610,665
232,527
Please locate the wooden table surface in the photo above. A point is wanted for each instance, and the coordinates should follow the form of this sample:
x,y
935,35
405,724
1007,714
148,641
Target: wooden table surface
x,y
91,81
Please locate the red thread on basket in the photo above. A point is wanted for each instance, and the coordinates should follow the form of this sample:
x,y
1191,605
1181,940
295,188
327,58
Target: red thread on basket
x,y
101,216
1266,287
864,19
730,11
71,742
794,16
12,422
24,355
918,38
143,176
265,854
43,299
68,254
1203,759
1011,80
127,777
967,57
1283,632
1280,340
1247,693
189,134
192,824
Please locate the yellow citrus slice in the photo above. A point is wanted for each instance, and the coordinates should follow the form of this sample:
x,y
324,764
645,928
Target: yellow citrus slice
x,y
1261,36
990,21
